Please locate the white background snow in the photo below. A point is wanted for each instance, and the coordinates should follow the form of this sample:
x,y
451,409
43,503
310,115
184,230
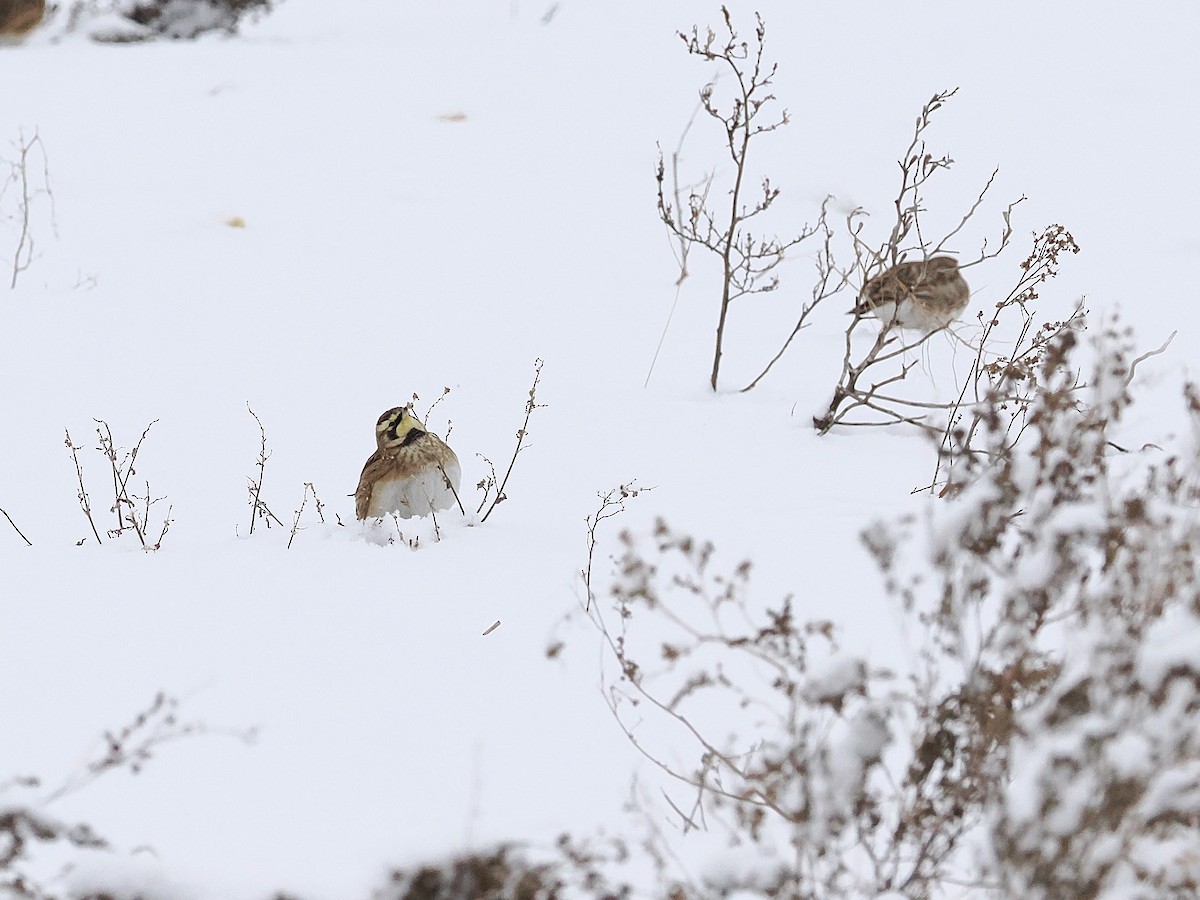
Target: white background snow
x,y
435,195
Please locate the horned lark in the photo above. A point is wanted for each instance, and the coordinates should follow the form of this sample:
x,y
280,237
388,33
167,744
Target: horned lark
x,y
19,17
411,473
925,295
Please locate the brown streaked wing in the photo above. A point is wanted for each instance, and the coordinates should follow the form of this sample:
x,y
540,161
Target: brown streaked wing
x,y
366,483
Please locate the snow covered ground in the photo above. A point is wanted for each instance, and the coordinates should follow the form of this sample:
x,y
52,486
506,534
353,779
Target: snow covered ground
x,y
435,195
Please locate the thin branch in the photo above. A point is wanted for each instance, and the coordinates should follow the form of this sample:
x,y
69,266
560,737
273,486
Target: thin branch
x,y
453,490
1147,355
23,255
308,489
258,508
85,502
530,405
28,542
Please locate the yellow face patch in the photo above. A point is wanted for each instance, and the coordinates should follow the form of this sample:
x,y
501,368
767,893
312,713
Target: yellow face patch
x,y
397,424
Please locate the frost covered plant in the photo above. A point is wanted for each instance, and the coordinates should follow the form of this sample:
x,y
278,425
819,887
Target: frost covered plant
x,y
1000,388
1045,743
572,871
190,18
125,21
1065,606
23,827
786,732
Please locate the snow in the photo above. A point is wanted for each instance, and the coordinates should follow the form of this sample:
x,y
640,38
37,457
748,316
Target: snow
x,y
836,677
1176,645
435,195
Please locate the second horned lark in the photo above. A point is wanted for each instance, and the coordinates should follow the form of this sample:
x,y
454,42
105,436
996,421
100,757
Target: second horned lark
x,y
925,295
19,17
411,473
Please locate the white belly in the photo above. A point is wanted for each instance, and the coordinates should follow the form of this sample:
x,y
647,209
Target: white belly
x,y
415,496
913,315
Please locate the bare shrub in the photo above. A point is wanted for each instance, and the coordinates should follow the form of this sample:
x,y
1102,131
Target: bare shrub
x,y
130,511
865,394
259,510
135,743
748,261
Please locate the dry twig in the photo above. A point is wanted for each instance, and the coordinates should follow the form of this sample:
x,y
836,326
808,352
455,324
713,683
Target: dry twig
x,y
15,528
19,175
85,502
488,484
258,507
320,507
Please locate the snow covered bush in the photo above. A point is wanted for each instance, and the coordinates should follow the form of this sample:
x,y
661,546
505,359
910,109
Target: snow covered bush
x,y
1089,554
788,734
1058,692
573,870
23,827
189,18
124,21
1046,740
495,874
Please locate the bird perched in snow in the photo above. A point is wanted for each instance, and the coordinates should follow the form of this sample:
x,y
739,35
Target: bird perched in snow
x,y
925,295
411,473
19,17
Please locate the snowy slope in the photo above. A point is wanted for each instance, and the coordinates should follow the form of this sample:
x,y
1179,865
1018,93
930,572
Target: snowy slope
x,y
434,196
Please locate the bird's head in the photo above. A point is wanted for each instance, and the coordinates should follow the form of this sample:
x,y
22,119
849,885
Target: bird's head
x,y
397,427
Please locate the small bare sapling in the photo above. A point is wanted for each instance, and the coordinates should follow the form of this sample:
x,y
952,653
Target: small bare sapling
x,y
748,261
27,186
493,489
317,504
258,507
130,511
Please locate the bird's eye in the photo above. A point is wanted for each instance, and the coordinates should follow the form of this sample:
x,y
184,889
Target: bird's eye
x,y
389,418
